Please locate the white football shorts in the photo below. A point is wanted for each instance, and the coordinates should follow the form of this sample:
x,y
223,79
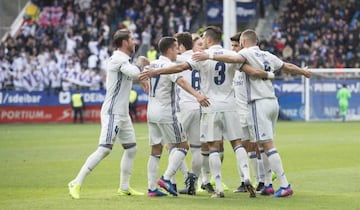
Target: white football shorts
x,y
116,128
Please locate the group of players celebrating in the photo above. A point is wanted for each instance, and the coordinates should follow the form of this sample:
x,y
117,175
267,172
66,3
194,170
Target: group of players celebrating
x,y
200,95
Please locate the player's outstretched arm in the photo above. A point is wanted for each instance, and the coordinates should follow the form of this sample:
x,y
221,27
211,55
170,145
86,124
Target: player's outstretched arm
x,y
141,62
167,70
199,56
203,100
294,69
254,72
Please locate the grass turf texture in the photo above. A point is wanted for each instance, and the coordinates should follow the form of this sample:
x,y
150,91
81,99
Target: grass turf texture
x,y
37,161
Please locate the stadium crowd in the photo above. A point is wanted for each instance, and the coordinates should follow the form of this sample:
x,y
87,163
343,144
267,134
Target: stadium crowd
x,y
319,34
67,44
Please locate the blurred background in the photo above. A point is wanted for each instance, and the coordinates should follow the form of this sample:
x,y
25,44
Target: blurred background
x,y
50,49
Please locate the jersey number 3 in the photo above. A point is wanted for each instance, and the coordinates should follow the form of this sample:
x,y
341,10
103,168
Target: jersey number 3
x,y
220,69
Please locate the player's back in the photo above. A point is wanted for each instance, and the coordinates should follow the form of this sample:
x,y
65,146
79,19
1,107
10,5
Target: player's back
x,y
260,88
240,88
161,105
217,80
185,100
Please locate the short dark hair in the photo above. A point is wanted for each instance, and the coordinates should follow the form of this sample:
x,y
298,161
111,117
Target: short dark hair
x,y
214,32
236,37
184,38
165,43
119,36
250,35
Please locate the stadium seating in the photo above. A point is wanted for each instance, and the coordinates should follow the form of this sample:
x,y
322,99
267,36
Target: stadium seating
x,y
319,34
65,46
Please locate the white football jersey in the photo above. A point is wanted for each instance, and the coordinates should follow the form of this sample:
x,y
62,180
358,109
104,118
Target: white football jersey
x,y
217,81
185,100
162,94
119,75
240,89
260,88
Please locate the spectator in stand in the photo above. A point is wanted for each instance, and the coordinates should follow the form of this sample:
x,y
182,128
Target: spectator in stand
x,y
145,41
325,25
68,26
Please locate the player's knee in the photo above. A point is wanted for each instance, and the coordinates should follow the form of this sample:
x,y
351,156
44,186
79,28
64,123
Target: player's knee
x,y
104,151
130,150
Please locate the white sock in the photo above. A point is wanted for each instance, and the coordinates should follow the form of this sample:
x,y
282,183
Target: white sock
x,y
261,170
276,166
183,168
92,161
196,160
221,153
242,161
215,168
254,165
153,170
126,166
205,168
175,160
267,169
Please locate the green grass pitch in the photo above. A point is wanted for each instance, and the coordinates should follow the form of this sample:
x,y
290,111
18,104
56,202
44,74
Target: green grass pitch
x,y
321,160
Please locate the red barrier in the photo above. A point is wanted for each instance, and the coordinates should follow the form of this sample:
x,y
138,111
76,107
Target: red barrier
x,y
54,114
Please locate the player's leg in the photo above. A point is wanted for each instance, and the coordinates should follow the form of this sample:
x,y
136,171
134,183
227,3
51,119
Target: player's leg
x,y
221,152
243,164
173,134
215,167
234,134
155,140
211,132
266,119
244,126
257,165
91,162
106,140
183,168
205,169
276,165
260,172
191,123
127,138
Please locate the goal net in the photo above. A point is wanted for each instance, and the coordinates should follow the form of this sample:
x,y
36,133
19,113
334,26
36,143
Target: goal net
x,y
320,94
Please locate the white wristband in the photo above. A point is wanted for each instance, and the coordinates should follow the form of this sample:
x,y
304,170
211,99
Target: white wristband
x,y
270,75
211,56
